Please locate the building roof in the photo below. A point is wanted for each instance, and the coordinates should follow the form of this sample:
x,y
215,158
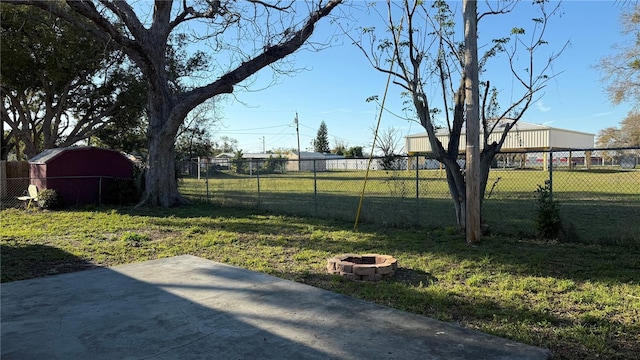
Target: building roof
x,y
308,155
260,156
46,155
334,156
250,155
50,154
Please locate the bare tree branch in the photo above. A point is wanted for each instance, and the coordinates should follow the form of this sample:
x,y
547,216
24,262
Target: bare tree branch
x,y
225,83
499,9
271,6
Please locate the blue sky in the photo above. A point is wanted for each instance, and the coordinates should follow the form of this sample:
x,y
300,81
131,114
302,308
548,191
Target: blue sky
x,y
336,81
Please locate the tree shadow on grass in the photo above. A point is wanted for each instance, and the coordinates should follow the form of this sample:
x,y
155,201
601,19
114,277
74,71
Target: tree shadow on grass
x,y
20,262
580,262
414,277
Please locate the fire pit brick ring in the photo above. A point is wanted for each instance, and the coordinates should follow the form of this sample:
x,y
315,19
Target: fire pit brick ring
x,y
369,267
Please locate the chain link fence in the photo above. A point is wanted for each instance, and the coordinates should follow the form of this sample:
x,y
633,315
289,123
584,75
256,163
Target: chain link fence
x,y
598,190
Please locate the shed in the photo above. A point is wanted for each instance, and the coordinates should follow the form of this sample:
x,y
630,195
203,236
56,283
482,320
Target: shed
x,y
523,137
308,161
80,175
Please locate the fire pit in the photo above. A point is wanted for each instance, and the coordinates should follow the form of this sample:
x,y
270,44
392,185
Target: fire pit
x,y
369,267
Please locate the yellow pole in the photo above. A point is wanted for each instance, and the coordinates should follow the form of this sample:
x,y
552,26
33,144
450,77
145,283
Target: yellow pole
x,y
375,135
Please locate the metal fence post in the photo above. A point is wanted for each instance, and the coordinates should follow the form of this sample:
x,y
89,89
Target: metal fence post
x,y
315,186
258,180
100,190
551,174
206,180
417,159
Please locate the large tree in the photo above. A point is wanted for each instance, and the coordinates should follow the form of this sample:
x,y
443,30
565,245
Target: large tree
x,y
621,74
627,135
621,71
6,141
226,144
354,152
321,142
423,51
59,84
388,141
243,37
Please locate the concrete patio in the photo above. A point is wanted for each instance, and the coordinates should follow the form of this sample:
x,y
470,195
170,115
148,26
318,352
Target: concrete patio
x,y
187,307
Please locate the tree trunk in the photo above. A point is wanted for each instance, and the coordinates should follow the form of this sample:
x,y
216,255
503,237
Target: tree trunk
x,y
5,147
161,185
457,190
487,156
459,201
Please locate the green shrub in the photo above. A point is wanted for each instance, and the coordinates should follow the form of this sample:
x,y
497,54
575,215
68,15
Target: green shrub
x,y
238,164
548,222
273,165
49,199
390,162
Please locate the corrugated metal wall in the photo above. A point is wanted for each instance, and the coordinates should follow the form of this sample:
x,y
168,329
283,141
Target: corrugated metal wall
x,y
538,139
529,139
570,139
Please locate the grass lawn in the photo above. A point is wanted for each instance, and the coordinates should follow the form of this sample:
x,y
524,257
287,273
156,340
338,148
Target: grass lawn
x,y
581,301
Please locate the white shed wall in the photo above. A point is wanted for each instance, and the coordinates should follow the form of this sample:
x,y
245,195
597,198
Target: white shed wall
x,y
306,165
570,139
352,164
416,144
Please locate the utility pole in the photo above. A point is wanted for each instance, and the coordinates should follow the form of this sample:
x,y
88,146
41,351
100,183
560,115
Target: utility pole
x,y
264,151
472,101
298,133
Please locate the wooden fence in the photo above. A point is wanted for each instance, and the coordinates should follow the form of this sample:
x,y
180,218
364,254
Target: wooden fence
x,y
13,171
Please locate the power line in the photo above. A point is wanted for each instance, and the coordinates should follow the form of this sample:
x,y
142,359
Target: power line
x,y
260,128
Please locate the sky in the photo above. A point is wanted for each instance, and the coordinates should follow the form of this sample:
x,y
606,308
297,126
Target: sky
x,y
336,81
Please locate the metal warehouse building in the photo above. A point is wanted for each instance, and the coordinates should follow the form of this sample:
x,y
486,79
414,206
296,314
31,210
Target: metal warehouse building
x,y
522,137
